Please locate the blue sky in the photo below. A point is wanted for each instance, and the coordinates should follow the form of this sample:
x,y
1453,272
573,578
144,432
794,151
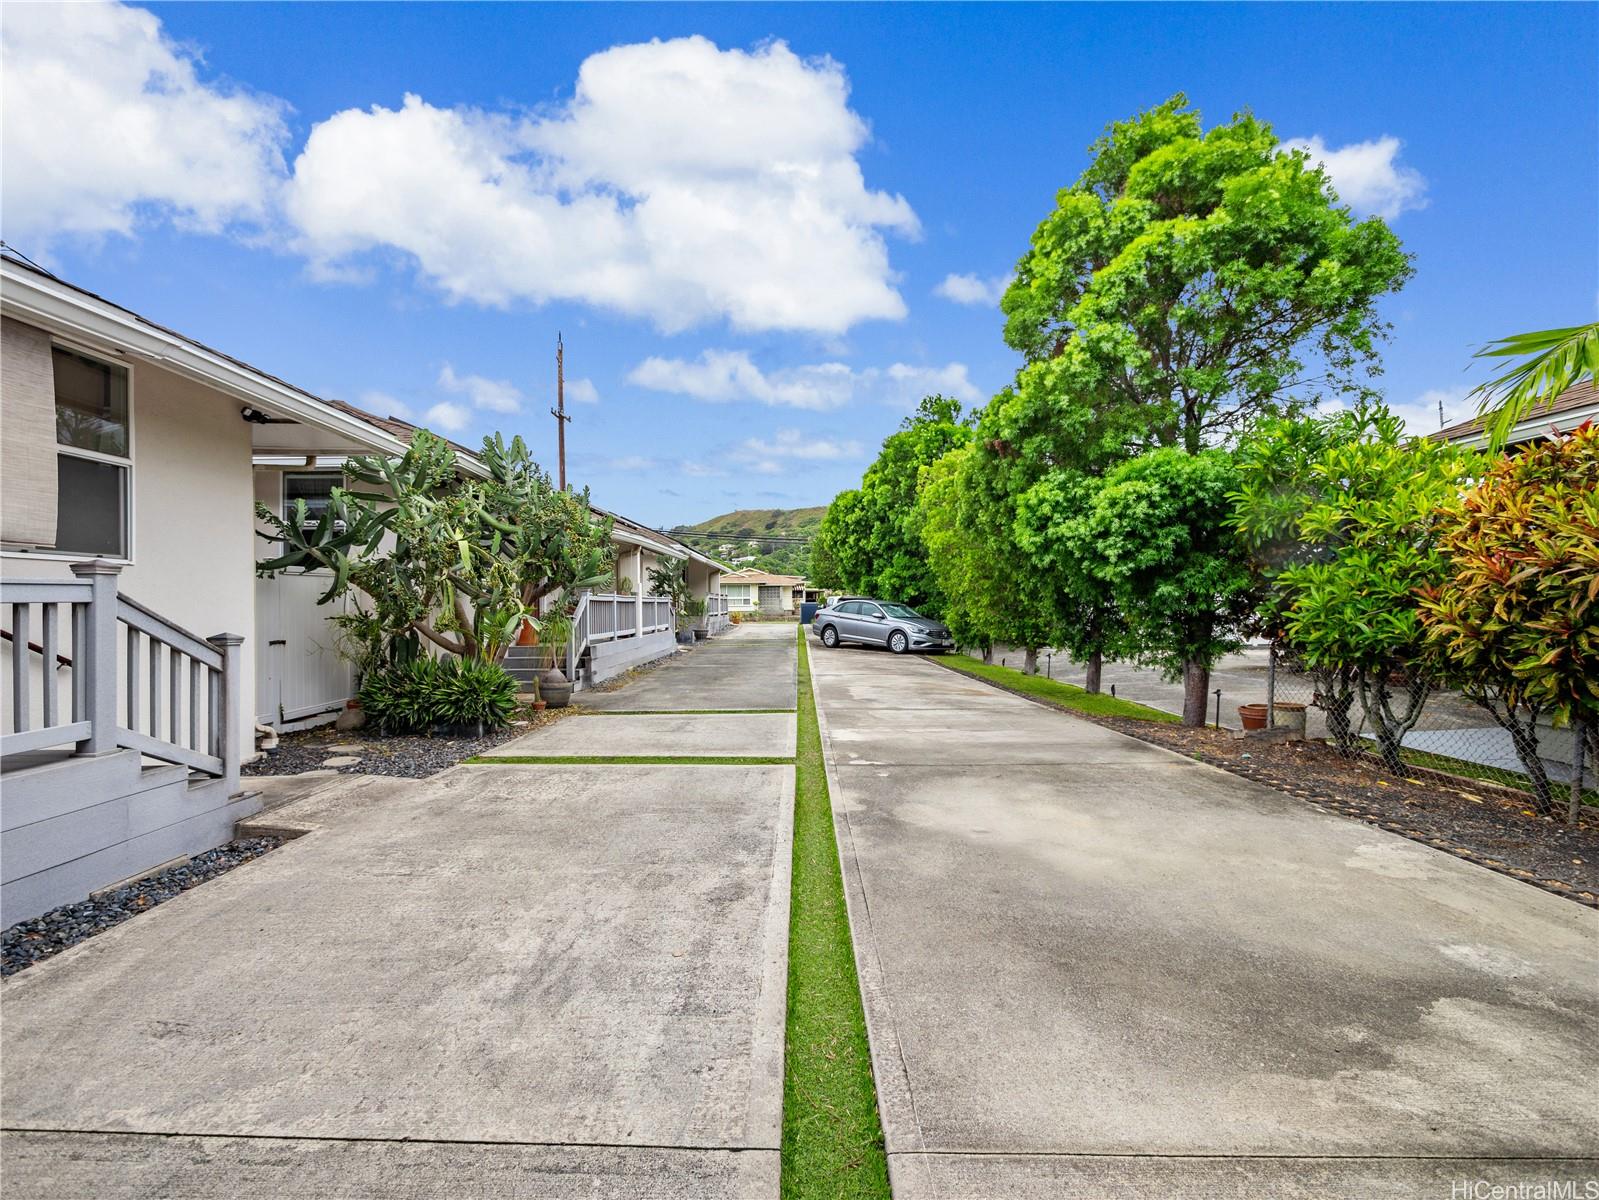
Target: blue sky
x,y
747,245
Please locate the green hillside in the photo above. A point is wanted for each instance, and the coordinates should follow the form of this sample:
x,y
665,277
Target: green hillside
x,y
763,522
758,532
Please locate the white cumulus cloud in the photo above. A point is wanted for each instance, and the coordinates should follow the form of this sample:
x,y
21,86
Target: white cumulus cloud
x,y
682,183
791,443
1368,176
448,416
384,405
582,391
107,121
495,395
973,289
722,376
1421,414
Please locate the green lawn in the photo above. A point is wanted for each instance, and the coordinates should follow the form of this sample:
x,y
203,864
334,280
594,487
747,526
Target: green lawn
x,y
1062,695
832,1139
1470,770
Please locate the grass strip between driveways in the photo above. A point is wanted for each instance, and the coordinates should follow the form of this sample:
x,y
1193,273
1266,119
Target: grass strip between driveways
x,y
1062,695
832,1138
631,760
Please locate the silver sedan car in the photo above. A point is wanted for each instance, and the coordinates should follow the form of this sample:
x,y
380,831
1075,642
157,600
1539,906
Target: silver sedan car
x,y
869,622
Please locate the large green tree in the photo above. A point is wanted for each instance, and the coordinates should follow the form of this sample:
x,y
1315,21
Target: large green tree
x,y
870,541
1189,281
991,592
1153,532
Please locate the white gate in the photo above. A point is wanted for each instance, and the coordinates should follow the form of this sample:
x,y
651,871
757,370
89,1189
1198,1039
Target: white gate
x,y
298,672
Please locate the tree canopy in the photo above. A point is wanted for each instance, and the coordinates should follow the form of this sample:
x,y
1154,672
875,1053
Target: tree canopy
x,y
1154,533
870,540
1362,501
1187,282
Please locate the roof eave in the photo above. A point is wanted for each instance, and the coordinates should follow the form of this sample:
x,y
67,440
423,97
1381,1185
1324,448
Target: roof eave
x,y
67,311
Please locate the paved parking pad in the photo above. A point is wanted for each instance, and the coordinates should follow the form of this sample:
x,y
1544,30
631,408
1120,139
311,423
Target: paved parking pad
x,y
1113,971
768,735
751,666
579,969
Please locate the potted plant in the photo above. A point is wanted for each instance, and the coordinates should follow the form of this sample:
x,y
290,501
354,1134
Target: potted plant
x,y
553,687
694,617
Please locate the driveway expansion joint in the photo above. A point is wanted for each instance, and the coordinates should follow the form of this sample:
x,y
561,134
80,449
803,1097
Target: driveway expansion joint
x,y
392,1141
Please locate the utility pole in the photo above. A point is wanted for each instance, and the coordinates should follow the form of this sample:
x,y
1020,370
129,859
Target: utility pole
x,y
559,411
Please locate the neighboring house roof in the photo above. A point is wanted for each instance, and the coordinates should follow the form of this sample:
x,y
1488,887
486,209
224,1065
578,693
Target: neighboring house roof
x,y
750,575
1566,411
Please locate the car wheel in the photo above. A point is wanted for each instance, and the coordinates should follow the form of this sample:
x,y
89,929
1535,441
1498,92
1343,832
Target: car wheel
x,y
829,636
898,642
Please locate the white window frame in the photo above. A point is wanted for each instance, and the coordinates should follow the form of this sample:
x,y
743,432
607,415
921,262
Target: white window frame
x,y
130,524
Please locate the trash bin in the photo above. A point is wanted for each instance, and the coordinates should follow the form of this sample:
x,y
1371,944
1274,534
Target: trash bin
x,y
808,611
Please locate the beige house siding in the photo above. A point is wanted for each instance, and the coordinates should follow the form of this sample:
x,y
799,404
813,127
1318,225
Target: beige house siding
x,y
192,527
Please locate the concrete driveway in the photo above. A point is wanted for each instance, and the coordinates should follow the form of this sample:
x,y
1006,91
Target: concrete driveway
x,y
1093,967
510,980
749,667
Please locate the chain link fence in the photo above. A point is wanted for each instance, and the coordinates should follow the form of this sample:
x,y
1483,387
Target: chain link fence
x,y
1452,735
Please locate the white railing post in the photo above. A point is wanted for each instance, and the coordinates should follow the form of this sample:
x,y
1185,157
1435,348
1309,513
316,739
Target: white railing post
x,y
228,716
98,659
638,596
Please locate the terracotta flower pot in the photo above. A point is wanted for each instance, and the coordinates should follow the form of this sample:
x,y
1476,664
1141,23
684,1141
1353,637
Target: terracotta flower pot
x,y
1253,716
528,635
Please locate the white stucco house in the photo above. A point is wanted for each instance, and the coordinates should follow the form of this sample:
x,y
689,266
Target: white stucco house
x,y
139,648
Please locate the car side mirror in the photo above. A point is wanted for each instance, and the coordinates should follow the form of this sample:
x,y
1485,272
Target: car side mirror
x,y
877,616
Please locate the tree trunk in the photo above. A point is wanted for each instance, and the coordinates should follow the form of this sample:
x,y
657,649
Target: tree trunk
x,y
1343,733
1096,663
1389,727
1196,693
988,654
1030,661
1388,749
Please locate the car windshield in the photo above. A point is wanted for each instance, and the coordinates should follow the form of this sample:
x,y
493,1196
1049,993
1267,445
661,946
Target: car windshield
x,y
903,611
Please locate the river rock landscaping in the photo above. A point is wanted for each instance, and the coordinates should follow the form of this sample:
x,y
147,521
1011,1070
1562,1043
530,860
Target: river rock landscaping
x,y
360,752
46,935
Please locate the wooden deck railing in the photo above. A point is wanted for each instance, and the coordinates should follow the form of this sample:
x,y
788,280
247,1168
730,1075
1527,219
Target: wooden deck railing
x,y
608,617
137,680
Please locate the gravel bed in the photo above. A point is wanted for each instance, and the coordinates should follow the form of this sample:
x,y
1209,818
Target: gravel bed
x,y
38,938
404,757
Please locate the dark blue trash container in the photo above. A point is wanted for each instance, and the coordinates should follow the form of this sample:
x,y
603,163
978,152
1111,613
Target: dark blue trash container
x,y
808,611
